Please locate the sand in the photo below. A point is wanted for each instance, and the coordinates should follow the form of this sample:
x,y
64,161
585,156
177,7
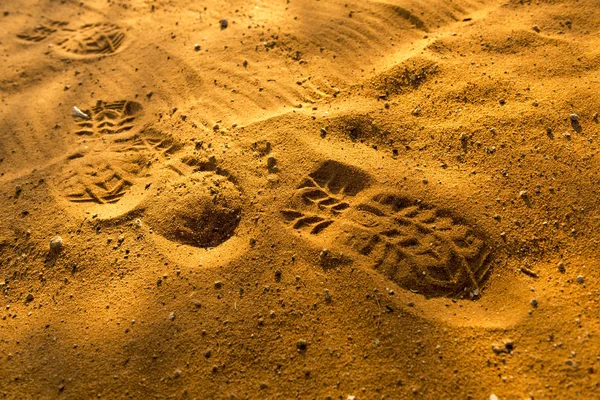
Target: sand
x,y
299,199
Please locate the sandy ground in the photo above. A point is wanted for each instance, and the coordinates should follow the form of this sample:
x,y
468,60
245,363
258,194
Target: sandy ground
x,y
299,199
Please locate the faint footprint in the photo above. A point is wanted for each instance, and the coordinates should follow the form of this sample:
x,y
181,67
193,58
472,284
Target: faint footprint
x,y
418,246
42,31
93,39
107,118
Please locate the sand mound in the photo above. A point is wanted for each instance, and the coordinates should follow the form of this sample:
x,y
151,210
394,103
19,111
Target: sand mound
x,y
197,211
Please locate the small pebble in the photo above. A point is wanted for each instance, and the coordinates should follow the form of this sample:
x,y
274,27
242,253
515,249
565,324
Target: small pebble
x,y
493,397
534,303
271,163
172,316
574,117
523,194
580,279
561,267
218,285
327,296
301,344
56,244
138,223
224,24
197,47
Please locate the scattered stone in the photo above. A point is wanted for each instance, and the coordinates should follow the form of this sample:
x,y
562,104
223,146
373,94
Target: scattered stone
x,y
535,103
523,194
177,373
224,24
323,132
301,345
56,244
574,117
245,64
538,30
149,94
561,267
138,223
327,296
29,298
534,303
493,397
172,316
507,347
580,279
197,47
218,285
529,272
502,102
271,163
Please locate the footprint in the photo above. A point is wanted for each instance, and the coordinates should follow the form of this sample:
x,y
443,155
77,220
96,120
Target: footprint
x,y
93,39
42,31
108,118
418,246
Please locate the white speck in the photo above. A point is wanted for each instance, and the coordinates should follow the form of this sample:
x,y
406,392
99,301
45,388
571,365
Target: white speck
x,y
77,113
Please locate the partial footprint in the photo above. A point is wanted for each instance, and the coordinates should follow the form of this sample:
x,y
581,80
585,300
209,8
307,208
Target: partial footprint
x,y
93,39
42,31
420,247
321,196
107,118
101,178
110,168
